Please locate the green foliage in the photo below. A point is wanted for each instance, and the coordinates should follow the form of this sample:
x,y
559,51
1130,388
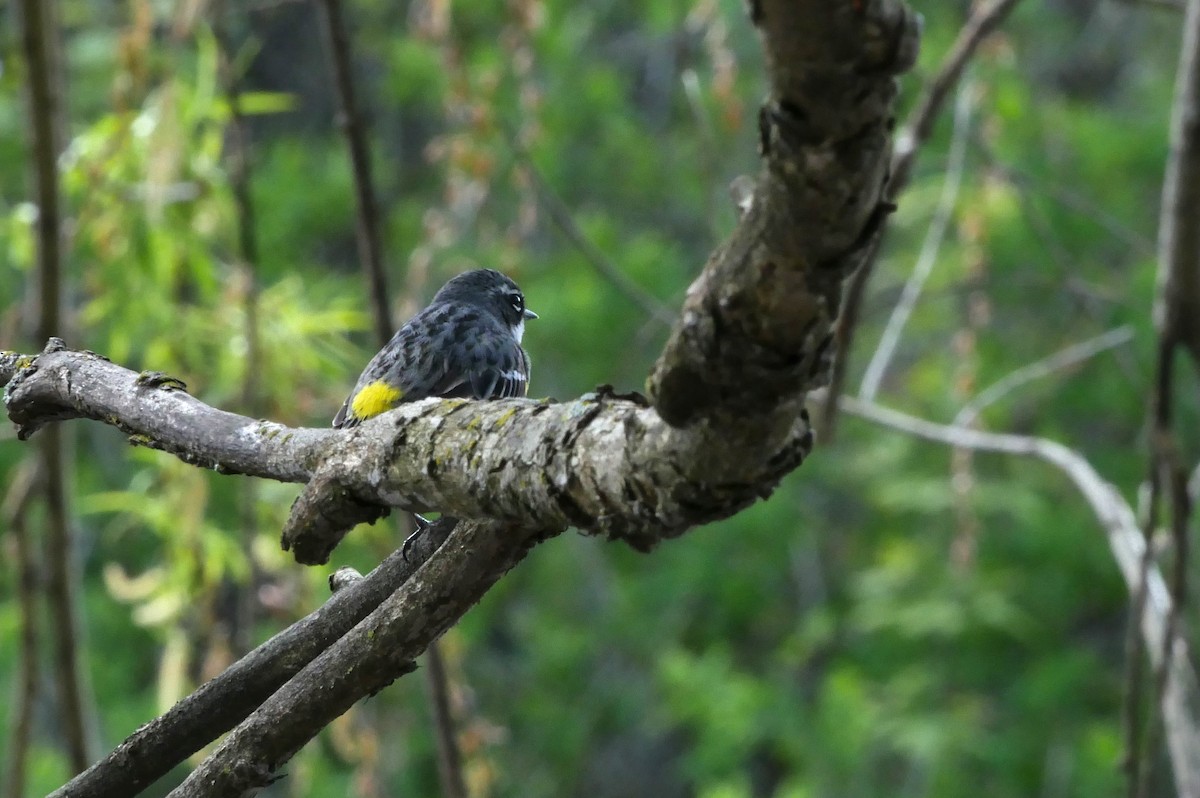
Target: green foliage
x,y
898,620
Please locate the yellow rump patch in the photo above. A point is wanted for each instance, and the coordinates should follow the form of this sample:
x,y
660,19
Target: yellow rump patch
x,y
375,398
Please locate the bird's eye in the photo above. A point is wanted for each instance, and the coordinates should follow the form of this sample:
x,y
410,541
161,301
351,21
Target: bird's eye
x,y
518,302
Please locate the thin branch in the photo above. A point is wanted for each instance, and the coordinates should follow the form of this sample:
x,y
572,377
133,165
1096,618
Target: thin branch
x,y
1070,199
1131,698
39,39
217,706
560,214
1176,304
370,254
370,247
437,683
377,651
930,248
984,19
1181,691
61,581
917,128
27,687
1177,300
1059,361
238,153
1173,480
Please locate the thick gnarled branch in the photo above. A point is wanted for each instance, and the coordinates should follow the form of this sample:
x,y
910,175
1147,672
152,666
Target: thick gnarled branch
x,y
757,324
603,463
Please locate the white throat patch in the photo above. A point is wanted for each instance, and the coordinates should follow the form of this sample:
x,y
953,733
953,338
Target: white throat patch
x,y
518,332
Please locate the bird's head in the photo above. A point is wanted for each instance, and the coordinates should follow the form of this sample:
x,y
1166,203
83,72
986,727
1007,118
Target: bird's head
x,y
492,291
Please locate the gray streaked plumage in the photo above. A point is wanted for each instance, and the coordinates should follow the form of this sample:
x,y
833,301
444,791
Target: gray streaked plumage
x,y
466,343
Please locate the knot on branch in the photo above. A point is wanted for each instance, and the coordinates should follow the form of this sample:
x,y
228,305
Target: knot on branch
x,y
322,515
28,408
746,348
896,45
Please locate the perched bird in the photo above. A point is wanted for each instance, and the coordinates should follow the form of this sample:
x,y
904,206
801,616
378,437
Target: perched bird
x,y
467,343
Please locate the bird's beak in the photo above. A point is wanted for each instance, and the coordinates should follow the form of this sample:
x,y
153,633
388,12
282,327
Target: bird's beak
x,y
529,314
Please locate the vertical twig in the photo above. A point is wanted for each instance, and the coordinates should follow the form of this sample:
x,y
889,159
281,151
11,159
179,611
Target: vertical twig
x,y
916,131
39,41
368,224
449,757
350,120
26,686
1176,304
1131,698
1175,478
247,241
1177,300
64,611
934,237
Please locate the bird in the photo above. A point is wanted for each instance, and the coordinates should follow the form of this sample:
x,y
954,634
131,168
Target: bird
x,y
466,344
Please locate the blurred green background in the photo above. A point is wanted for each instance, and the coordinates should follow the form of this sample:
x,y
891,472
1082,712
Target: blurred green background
x,y
897,620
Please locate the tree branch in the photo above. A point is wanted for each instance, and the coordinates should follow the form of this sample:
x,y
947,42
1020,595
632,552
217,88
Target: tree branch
x,y
756,326
917,129
449,759
1062,359
934,236
1181,692
364,661
27,687
1177,302
39,36
604,463
217,706
370,248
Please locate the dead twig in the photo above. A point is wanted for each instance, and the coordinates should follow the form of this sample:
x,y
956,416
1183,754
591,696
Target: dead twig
x,y
27,687
934,237
370,247
1176,305
370,254
915,132
1059,361
1181,690
40,43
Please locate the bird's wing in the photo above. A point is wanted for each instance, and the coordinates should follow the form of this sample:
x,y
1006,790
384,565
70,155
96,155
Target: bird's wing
x,y
341,421
497,369
398,373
